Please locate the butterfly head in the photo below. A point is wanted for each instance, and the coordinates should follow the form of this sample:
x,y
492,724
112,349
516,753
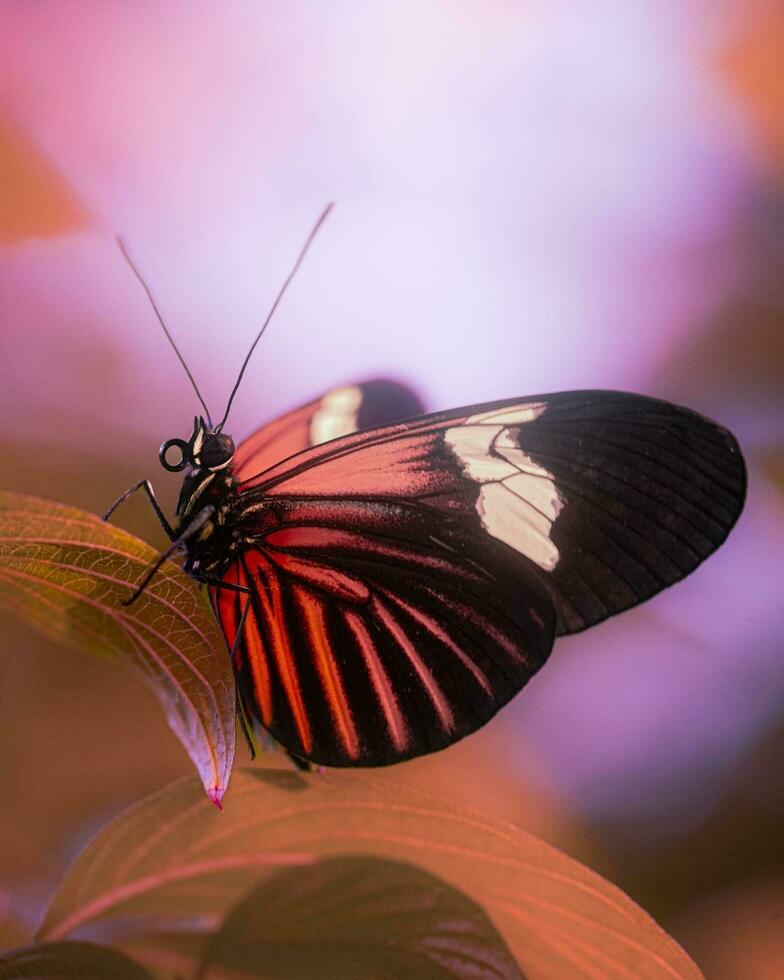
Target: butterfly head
x,y
206,449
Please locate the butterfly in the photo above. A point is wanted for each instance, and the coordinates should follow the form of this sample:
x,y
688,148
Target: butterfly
x,y
385,587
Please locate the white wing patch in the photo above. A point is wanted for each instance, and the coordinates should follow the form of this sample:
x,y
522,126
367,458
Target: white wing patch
x,y
337,415
516,415
518,501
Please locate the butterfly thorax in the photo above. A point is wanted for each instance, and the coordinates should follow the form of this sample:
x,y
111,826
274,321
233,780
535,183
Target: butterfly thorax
x,y
213,547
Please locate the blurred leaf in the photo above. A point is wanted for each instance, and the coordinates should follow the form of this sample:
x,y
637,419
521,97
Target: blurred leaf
x,y
351,918
69,959
738,933
172,851
773,464
12,932
167,955
752,63
66,572
740,357
34,198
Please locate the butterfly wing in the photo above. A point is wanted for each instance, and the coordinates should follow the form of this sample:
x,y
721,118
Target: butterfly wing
x,y
611,496
286,664
339,412
365,649
407,581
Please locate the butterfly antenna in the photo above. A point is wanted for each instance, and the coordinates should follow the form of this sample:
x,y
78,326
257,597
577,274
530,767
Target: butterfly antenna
x,y
278,298
169,337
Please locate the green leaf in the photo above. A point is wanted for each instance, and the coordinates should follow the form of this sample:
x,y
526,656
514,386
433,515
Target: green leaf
x,y
350,918
66,573
69,959
172,852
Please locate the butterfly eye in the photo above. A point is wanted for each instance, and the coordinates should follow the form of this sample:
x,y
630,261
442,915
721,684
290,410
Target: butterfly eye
x,y
174,455
217,451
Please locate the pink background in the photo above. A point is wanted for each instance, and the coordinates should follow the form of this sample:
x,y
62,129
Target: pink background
x,y
530,197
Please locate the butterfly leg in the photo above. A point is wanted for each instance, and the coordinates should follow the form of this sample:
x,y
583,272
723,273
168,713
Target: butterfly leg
x,y
244,590
302,764
218,583
147,487
242,714
246,730
244,724
193,528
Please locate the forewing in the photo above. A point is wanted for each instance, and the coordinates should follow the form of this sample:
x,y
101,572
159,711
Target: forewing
x,y
606,497
339,412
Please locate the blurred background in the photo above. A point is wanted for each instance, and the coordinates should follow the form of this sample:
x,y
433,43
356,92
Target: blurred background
x,y
530,197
